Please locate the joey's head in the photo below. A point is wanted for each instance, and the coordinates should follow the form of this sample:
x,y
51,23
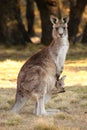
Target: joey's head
x,y
59,27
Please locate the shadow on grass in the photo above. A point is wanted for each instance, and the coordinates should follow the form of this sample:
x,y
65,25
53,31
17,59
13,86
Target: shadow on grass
x,y
19,53
13,56
77,56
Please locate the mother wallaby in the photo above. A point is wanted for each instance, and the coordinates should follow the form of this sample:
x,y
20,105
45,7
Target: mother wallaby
x,y
38,76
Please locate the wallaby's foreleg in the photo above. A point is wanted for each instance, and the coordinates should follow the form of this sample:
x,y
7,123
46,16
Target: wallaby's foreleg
x,y
19,103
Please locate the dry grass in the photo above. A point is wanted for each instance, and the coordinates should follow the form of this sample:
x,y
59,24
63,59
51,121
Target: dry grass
x,y
72,103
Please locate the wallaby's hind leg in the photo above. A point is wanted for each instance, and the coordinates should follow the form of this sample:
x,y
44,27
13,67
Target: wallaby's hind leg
x,y
50,111
19,103
40,107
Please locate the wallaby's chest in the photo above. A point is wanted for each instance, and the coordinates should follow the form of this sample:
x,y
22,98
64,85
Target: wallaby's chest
x,y
61,58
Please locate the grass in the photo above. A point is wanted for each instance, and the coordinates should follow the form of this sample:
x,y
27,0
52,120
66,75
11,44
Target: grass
x,y
72,103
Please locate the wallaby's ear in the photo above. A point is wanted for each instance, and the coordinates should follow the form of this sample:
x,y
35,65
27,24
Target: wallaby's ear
x,y
63,77
53,19
65,19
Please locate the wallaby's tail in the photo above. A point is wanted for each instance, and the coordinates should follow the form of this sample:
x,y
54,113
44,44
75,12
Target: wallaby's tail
x,y
19,103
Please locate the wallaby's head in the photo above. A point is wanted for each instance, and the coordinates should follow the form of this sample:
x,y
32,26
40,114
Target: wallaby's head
x,y
59,27
60,84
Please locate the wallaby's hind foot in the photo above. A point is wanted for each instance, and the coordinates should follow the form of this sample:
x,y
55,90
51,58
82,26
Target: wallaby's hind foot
x,y
52,111
19,103
47,112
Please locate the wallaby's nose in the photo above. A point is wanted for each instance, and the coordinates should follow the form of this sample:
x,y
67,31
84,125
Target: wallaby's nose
x,y
60,31
61,34
62,90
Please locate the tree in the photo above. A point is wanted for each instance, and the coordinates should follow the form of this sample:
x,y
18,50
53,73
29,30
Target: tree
x,y
3,28
12,30
46,9
30,17
84,39
76,10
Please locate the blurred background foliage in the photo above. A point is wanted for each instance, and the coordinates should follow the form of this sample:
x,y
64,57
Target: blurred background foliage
x,y
22,19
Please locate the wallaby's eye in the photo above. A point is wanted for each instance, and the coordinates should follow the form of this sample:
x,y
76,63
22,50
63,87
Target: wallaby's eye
x,y
56,28
64,28
60,84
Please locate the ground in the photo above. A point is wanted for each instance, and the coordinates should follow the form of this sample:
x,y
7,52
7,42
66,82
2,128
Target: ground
x,y
72,104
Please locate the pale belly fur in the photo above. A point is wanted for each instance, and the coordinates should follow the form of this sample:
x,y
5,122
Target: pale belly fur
x,y
61,58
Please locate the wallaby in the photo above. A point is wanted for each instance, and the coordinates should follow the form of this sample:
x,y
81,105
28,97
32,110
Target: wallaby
x,y
59,86
39,75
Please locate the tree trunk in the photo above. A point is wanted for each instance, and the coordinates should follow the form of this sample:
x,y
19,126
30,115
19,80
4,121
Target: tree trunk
x,y
76,10
3,28
30,17
84,39
45,8
12,30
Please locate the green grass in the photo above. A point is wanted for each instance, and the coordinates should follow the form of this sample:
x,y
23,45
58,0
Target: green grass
x,y
72,104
